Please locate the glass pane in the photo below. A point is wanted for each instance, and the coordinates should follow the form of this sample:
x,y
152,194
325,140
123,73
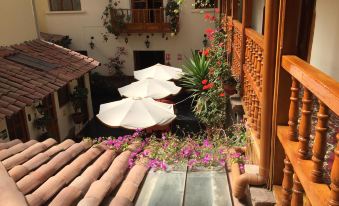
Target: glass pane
x,y
55,5
67,5
76,5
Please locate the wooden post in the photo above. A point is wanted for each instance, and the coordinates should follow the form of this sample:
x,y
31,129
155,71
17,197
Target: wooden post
x,y
270,44
334,197
319,146
287,183
298,192
293,111
234,9
305,124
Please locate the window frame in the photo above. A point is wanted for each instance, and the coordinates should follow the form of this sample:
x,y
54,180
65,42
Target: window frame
x,y
61,6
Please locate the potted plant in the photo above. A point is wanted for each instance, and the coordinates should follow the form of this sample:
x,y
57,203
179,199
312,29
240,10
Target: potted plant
x,y
230,84
116,63
78,98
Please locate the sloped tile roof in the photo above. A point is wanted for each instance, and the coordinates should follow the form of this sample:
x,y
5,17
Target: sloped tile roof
x,y
69,173
21,85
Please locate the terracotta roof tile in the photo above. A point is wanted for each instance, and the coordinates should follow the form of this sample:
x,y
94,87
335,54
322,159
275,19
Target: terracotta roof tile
x,y
24,84
69,173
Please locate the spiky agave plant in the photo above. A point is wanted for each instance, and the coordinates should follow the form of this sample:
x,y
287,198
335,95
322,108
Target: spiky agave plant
x,y
195,71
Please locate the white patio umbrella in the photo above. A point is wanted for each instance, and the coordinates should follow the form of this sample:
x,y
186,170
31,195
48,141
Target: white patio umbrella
x,y
133,113
153,88
159,71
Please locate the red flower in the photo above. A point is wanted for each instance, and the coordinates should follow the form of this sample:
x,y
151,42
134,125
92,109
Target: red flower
x,y
204,81
209,31
222,94
212,18
208,86
207,16
217,10
205,52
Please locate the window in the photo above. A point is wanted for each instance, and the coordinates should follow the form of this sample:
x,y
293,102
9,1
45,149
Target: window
x,y
64,5
63,95
206,4
31,62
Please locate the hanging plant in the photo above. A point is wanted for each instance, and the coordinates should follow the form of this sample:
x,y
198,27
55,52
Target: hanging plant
x,y
172,11
114,19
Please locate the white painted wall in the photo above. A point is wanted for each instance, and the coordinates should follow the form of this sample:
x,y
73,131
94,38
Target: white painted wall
x,y
324,54
80,26
17,22
257,15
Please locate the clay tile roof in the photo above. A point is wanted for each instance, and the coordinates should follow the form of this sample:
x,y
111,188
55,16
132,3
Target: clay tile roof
x,y
21,85
69,173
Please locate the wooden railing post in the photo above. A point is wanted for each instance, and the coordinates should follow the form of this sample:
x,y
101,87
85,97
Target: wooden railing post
x,y
287,183
298,192
293,111
305,124
270,45
334,196
319,146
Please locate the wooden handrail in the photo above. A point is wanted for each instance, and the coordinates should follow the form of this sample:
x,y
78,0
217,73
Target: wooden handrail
x,y
325,88
237,25
255,36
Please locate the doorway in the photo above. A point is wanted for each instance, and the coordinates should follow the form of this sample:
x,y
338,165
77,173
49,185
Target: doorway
x,y
144,59
17,126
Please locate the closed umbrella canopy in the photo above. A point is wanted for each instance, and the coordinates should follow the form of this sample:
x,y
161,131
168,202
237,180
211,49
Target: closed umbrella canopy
x,y
153,88
159,71
134,113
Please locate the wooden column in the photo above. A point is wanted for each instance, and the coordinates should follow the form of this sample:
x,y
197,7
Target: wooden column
x,y
319,146
305,124
298,192
270,44
293,111
287,183
334,197
234,9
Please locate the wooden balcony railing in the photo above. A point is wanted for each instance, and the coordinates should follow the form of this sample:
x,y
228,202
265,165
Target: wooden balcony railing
x,y
237,49
143,20
305,153
252,71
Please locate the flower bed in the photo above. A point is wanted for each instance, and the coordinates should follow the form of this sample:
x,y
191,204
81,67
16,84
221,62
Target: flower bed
x,y
169,152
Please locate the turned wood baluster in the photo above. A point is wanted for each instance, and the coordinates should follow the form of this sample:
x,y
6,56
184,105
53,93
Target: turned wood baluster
x,y
258,68
247,52
256,112
305,124
287,183
253,120
253,58
255,62
293,111
261,72
319,146
334,196
259,119
250,56
298,192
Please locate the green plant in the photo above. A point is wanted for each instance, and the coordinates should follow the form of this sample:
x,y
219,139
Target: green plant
x,y
41,122
114,19
172,10
195,72
115,63
78,98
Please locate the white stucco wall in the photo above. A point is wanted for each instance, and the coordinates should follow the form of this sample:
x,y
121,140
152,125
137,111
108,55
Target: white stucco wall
x,y
17,22
80,26
257,15
64,113
324,54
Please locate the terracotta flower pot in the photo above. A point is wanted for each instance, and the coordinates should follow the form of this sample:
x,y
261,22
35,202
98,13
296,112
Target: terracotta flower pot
x,y
230,89
78,117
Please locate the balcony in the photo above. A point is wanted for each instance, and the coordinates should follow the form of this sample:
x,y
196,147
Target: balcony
x,y
143,21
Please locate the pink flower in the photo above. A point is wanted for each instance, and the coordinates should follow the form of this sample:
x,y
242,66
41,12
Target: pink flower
x,y
216,10
207,159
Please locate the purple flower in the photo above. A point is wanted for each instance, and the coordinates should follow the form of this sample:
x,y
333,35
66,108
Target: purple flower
x,y
163,166
191,163
207,159
146,153
206,143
